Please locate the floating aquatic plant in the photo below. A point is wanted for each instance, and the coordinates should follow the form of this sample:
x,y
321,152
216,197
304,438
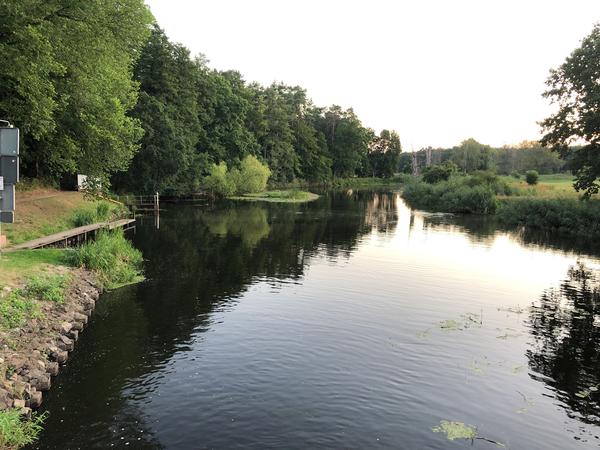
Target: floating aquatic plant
x,y
458,430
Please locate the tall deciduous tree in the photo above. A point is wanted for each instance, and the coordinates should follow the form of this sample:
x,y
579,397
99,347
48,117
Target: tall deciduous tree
x,y
168,111
575,88
67,81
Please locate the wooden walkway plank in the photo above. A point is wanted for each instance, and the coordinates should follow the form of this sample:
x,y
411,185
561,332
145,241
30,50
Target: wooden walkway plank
x,y
69,234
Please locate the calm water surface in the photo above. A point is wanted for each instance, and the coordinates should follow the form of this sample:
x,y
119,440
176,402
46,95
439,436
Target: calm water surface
x,y
350,322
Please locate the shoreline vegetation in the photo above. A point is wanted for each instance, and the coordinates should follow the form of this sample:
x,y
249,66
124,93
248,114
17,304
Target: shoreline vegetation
x,y
550,205
278,196
46,299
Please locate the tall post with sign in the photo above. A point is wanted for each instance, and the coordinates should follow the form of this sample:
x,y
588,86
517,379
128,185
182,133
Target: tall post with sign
x,y
9,170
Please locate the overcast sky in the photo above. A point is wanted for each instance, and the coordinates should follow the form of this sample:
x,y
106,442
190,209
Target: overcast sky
x,y
436,71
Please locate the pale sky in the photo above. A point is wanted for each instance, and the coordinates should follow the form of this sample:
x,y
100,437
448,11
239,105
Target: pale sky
x,y
436,71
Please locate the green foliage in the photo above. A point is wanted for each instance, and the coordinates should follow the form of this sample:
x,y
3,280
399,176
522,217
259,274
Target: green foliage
x,y
68,83
384,154
287,196
15,309
112,257
531,177
439,172
564,216
251,177
470,155
94,212
16,431
459,194
575,89
219,181
516,175
46,287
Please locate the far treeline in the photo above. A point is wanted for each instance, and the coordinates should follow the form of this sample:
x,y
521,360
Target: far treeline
x,y
471,156
97,88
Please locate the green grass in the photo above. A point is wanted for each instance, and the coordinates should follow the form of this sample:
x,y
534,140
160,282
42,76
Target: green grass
x,y
47,288
557,185
58,212
279,196
15,432
24,263
112,257
15,309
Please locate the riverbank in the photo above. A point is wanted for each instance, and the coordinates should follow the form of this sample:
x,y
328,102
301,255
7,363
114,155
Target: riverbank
x,y
46,299
44,211
551,206
40,321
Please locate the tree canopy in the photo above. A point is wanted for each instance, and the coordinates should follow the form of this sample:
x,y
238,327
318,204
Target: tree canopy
x,y
574,88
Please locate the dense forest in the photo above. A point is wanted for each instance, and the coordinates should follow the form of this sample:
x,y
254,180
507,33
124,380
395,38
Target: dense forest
x,y
111,96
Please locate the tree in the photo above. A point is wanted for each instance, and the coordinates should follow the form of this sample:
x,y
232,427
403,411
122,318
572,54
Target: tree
x,y
439,172
168,111
67,82
384,154
471,155
575,88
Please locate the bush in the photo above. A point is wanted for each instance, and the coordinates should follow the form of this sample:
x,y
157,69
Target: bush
x,y
455,195
252,176
531,177
515,175
112,257
219,181
439,172
567,217
16,432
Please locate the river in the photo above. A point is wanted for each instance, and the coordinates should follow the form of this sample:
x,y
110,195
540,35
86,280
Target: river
x,y
351,322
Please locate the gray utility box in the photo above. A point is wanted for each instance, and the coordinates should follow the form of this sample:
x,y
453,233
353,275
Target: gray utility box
x,y
9,169
8,198
9,141
7,216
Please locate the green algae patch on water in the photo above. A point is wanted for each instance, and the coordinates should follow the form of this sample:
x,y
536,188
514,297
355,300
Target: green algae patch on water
x,y
456,430
282,196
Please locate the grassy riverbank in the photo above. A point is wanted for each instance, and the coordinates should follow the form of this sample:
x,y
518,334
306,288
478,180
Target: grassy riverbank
x,y
552,205
279,196
45,211
40,291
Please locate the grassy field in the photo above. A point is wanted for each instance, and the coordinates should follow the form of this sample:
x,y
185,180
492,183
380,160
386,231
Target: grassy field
x,y
558,185
279,196
44,211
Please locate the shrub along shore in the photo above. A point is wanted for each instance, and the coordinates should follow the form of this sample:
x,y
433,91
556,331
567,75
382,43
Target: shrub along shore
x,y
41,316
541,208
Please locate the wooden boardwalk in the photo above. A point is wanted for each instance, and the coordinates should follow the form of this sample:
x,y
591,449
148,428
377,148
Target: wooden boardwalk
x,y
75,235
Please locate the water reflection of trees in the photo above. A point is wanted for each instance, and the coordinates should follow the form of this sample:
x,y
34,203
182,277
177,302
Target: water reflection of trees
x,y
484,229
565,347
201,260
